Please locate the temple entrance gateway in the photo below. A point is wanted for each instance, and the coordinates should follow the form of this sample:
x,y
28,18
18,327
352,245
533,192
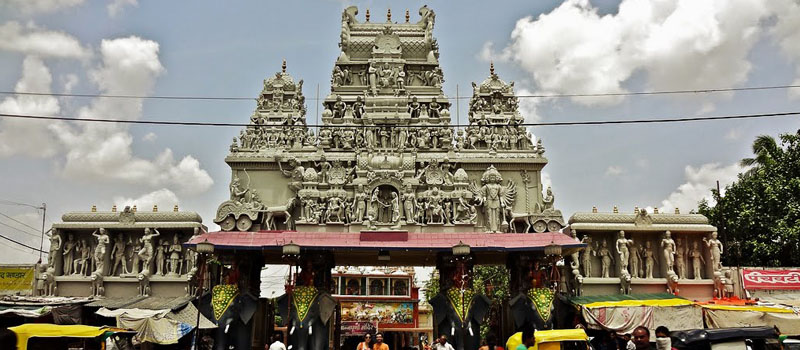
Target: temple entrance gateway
x,y
387,181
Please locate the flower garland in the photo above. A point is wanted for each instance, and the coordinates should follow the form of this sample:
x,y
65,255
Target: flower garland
x,y
461,299
542,299
221,298
302,298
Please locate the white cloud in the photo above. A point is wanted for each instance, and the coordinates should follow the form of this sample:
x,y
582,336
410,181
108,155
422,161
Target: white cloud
x,y
733,134
699,182
679,44
32,40
104,151
164,198
116,6
546,181
614,170
69,81
30,7
149,137
529,107
787,33
29,137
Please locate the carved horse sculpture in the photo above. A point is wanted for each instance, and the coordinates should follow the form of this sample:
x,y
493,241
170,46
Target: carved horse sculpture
x,y
284,210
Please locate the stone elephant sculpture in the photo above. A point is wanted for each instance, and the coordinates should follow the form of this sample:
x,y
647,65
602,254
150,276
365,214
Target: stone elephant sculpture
x,y
533,309
306,312
233,312
459,316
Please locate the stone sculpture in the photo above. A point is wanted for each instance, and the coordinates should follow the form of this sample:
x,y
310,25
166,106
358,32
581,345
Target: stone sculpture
x,y
495,198
144,283
47,281
69,250
100,250
588,253
81,265
55,247
97,288
605,259
175,250
146,253
635,260
649,260
680,258
161,248
118,252
697,260
668,245
715,251
623,253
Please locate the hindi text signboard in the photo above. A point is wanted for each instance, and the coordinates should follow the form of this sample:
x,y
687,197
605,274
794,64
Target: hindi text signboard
x,y
771,279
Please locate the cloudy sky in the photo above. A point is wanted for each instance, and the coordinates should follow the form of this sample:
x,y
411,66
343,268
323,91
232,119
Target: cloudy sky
x,y
214,48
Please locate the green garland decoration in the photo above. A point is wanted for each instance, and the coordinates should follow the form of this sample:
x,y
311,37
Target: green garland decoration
x,y
221,298
461,299
542,299
302,298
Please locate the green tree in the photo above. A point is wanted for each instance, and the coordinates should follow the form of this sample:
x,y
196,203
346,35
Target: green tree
x,y
759,215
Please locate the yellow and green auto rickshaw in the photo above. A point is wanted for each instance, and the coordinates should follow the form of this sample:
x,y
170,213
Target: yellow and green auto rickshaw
x,y
36,336
556,339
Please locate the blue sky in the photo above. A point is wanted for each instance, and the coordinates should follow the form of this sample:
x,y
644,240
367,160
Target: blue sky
x,y
212,48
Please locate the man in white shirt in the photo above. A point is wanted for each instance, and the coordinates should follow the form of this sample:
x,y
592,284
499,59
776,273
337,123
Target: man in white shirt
x,y
277,344
442,344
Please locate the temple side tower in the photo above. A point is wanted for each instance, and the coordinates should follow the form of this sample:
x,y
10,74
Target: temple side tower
x,y
386,155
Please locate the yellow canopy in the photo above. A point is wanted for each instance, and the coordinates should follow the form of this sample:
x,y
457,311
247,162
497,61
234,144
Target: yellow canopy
x,y
550,336
747,308
32,330
646,302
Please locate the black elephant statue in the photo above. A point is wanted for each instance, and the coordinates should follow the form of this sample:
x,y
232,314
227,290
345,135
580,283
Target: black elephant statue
x,y
232,311
458,313
535,308
306,312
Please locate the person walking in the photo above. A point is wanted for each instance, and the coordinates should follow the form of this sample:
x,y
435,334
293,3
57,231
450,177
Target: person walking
x,y
277,342
364,345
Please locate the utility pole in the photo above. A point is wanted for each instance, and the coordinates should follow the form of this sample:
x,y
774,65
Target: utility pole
x,y
41,243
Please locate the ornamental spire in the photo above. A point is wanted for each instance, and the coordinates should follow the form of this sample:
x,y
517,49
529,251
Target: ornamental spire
x,y
367,15
283,66
408,17
491,68
389,15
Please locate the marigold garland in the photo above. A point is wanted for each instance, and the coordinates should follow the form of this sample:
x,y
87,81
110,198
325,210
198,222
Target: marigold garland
x,y
461,299
542,299
221,298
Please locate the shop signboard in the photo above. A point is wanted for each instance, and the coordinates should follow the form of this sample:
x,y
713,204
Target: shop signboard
x,y
356,328
787,279
16,279
385,313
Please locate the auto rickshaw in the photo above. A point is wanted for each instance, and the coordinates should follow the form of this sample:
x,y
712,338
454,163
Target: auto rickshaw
x,y
750,338
36,336
556,339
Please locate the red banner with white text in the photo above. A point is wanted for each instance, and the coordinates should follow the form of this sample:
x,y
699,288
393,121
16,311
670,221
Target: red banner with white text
x,y
771,279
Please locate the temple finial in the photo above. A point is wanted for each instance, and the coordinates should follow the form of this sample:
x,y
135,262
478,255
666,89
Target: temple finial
x,y
491,67
283,66
367,15
408,17
389,15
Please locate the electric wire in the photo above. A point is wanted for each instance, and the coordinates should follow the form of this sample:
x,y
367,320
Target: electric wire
x,y
8,202
38,231
541,124
22,244
564,95
16,248
18,230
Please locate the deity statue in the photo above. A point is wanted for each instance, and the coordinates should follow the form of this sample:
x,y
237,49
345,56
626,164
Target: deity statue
x,y
237,190
549,198
81,265
394,205
697,260
360,203
338,108
175,250
575,263
494,198
586,258
100,249
414,108
161,248
118,252
135,254
373,78
668,245
434,109
715,251
55,247
680,258
605,259
623,252
358,108
635,261
649,259
324,167
146,253
69,250
335,209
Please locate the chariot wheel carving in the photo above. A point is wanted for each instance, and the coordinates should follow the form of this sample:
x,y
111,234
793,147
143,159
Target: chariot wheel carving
x,y
553,226
539,226
228,224
244,223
